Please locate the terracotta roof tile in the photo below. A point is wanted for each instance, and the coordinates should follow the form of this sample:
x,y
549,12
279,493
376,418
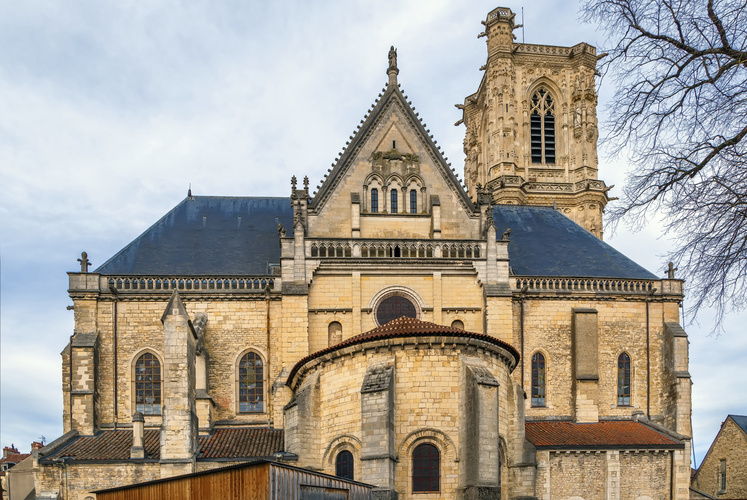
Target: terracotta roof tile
x,y
405,327
241,443
605,434
222,443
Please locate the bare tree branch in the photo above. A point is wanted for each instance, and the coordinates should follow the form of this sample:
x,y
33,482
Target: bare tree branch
x,y
680,116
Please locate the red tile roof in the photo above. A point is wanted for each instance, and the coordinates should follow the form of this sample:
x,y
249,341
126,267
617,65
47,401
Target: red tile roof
x,y
242,442
405,327
13,458
605,434
239,443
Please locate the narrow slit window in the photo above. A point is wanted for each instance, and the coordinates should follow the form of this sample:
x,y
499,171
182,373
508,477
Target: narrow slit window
x,y
374,201
623,380
538,379
394,201
413,201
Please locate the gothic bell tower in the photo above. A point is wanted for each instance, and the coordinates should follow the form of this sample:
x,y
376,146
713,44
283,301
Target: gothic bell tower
x,y
531,135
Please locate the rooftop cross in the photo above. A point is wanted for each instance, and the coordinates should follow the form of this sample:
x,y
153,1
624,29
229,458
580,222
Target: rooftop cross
x,y
84,262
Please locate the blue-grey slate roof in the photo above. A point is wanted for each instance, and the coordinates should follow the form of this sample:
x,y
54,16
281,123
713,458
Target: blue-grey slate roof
x,y
544,242
740,420
208,235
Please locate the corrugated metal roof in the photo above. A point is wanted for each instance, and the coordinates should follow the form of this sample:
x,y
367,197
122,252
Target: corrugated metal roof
x,y
604,434
206,235
544,242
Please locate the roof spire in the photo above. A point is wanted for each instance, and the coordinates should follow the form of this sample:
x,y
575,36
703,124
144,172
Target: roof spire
x,y
393,71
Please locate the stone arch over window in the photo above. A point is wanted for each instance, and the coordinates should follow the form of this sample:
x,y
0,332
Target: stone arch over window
x,y
395,301
334,333
394,184
543,99
251,385
344,443
539,379
373,193
147,382
413,195
624,379
447,452
458,323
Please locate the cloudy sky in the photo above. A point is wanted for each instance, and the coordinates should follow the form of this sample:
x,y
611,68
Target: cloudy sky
x,y
110,110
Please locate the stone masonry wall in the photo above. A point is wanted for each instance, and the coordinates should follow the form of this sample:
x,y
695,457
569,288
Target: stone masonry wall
x,y
730,445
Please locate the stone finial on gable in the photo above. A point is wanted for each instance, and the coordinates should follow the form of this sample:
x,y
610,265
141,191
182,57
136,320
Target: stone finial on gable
x,y
392,70
84,262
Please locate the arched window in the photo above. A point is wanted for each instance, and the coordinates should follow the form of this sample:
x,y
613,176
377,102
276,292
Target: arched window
x,y
394,200
458,323
148,384
251,383
374,200
334,333
538,379
623,380
425,468
344,465
413,201
542,125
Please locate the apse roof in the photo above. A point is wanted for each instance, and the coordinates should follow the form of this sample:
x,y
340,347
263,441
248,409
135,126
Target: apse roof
x,y
405,327
544,242
206,235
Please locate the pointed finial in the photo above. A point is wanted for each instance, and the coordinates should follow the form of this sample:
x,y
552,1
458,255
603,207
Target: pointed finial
x,y
294,181
392,71
306,184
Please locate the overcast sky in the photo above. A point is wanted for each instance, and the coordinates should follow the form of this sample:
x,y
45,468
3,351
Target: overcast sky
x,y
109,110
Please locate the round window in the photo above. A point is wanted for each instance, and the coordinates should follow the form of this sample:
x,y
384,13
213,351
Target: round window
x,y
395,307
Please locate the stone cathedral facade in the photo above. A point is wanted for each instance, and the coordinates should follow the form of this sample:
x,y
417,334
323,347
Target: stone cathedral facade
x,y
394,327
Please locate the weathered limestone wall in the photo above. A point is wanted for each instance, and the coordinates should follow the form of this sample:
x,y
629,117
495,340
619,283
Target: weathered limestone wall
x,y
82,479
621,327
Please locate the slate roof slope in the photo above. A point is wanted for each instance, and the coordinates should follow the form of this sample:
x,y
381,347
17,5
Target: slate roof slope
x,y
544,242
223,443
604,434
208,235
740,420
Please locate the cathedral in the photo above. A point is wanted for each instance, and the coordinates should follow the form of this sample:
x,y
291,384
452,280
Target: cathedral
x,y
394,327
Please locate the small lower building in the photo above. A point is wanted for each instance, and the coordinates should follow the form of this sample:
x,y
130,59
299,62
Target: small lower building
x,y
256,480
723,472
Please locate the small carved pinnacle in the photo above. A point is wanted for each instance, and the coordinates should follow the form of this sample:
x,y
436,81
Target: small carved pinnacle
x,y
84,262
306,184
294,181
506,234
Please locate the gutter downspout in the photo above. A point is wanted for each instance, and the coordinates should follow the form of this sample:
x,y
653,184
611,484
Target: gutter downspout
x,y
114,371
521,321
648,353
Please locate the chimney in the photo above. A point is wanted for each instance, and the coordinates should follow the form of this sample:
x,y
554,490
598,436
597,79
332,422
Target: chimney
x,y
138,443
10,450
36,445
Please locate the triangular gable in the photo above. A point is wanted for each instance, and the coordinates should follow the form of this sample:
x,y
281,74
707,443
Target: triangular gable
x,y
390,96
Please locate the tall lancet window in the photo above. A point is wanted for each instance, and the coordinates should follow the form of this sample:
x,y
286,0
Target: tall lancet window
x,y
542,122
394,201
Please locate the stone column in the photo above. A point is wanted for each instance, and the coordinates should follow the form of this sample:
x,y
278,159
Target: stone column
x,y
138,442
179,428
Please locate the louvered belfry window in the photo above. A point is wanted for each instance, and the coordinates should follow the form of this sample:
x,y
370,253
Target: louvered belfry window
x,y
542,127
